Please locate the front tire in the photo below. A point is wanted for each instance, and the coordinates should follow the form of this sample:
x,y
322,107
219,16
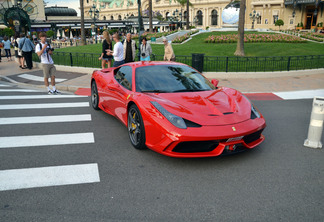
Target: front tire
x,y
135,126
94,96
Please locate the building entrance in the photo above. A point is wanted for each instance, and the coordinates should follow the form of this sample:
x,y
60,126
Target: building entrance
x,y
311,19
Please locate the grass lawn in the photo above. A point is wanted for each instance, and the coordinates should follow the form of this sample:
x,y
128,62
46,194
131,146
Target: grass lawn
x,y
197,45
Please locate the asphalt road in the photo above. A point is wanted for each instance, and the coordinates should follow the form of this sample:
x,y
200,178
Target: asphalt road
x,y
281,180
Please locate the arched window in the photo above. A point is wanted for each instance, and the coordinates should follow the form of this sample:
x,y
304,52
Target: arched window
x,y
104,18
214,17
185,15
111,17
200,17
132,15
119,17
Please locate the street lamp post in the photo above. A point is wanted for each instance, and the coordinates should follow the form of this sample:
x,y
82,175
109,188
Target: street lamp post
x,y
254,15
95,13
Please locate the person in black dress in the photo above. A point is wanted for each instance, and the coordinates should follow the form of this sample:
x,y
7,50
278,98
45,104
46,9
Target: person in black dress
x,y
106,45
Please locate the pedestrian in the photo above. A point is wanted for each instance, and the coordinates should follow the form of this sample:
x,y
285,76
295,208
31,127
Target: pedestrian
x,y
21,59
45,51
7,45
118,52
106,45
129,49
146,50
1,46
27,47
168,51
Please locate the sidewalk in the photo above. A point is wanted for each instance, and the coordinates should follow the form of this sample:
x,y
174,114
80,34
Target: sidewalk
x,y
259,82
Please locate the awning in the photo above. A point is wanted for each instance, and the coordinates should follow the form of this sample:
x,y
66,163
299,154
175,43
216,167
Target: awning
x,y
41,26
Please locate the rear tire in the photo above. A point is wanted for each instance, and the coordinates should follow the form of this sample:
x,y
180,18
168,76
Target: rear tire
x,y
94,96
135,126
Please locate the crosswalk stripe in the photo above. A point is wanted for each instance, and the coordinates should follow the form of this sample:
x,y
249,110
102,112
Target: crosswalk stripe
x,y
40,97
44,105
18,90
45,119
303,94
46,140
49,176
2,85
37,78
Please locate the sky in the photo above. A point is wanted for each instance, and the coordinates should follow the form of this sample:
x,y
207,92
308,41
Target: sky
x,y
75,4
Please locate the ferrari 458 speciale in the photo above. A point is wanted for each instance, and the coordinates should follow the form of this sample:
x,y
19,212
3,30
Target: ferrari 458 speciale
x,y
174,110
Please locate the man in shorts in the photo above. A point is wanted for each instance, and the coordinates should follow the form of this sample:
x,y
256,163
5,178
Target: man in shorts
x,y
44,51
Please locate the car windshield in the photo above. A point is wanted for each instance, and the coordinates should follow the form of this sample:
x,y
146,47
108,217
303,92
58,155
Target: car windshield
x,y
170,78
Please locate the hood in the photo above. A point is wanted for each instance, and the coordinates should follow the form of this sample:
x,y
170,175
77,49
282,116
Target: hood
x,y
223,106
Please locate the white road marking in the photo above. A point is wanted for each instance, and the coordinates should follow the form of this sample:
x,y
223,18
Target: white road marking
x,y
304,94
46,140
40,97
45,119
18,90
38,78
49,176
2,85
44,106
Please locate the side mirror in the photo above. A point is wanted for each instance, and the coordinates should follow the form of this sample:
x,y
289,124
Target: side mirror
x,y
215,82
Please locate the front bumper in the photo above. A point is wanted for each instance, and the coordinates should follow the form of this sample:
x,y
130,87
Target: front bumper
x,y
207,141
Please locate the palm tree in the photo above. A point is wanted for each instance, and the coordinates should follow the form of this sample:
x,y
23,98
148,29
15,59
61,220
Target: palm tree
x,y
187,3
150,16
240,41
83,38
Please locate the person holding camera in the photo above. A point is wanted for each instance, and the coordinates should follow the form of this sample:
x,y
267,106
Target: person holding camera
x,y
146,50
44,51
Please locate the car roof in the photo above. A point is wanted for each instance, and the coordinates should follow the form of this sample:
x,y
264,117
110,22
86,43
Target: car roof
x,y
151,63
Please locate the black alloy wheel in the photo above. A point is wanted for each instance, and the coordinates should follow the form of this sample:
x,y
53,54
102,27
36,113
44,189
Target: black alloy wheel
x,y
94,96
135,127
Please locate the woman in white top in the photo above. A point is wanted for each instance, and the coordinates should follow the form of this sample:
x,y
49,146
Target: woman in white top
x,y
146,50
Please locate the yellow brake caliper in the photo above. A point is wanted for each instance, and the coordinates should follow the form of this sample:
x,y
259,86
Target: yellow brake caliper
x,y
134,125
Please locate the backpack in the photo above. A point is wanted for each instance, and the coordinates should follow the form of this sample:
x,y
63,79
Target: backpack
x,y
40,47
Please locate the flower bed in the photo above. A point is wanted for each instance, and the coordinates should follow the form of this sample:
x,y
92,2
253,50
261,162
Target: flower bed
x,y
313,36
254,38
181,39
184,37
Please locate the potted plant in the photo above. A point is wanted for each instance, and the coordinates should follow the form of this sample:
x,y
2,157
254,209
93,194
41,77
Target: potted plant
x,y
299,26
320,26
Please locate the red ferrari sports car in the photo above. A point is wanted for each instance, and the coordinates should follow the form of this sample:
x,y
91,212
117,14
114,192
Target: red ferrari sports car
x,y
174,110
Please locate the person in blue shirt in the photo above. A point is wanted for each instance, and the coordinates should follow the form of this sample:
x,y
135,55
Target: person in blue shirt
x,y
27,47
6,45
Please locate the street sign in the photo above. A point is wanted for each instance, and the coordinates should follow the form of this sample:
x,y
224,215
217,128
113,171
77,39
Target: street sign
x,y
153,39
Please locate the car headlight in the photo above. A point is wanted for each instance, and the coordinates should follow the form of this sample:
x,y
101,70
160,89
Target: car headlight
x,y
174,119
254,112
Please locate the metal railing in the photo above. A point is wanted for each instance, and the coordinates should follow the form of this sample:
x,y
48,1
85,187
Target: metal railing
x,y
209,63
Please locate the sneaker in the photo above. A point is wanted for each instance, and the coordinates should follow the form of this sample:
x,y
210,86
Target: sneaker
x,y
50,92
56,92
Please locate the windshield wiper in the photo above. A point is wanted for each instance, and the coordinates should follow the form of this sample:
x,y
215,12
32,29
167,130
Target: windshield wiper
x,y
190,90
154,91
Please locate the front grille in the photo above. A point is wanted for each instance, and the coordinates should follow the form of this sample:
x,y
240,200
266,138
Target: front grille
x,y
196,146
252,137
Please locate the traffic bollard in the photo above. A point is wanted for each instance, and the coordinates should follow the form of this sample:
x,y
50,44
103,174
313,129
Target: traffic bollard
x,y
316,124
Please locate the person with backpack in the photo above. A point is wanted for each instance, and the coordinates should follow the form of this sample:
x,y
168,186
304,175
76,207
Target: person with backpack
x,y
44,51
27,47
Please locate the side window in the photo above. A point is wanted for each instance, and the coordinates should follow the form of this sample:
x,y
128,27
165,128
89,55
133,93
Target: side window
x,y
124,77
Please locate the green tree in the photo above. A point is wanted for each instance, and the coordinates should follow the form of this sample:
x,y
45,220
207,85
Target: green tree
x,y
279,23
50,33
8,32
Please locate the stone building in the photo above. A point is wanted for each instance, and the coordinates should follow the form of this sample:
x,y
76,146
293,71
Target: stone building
x,y
208,13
